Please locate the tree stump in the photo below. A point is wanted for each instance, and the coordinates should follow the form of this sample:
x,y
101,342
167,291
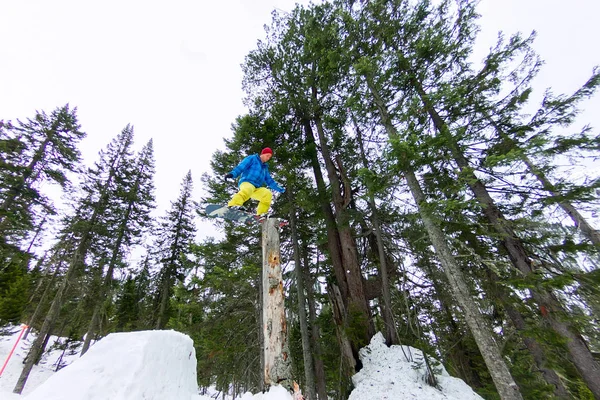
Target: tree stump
x,y
277,367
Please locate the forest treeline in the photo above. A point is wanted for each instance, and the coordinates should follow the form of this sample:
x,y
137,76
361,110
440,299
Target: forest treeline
x,y
432,197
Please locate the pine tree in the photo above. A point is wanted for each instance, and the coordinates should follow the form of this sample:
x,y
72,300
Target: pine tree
x,y
87,222
229,337
12,158
127,306
302,67
132,308
130,218
43,149
314,64
510,240
40,150
174,238
419,18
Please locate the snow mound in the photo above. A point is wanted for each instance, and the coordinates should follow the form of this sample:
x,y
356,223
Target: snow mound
x,y
397,373
126,366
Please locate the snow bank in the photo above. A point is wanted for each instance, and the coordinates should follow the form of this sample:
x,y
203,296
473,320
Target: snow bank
x,y
155,365
126,366
40,372
396,373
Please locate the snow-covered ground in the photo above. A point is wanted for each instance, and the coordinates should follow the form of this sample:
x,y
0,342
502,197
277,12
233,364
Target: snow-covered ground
x,y
41,372
143,365
398,372
158,365
140,365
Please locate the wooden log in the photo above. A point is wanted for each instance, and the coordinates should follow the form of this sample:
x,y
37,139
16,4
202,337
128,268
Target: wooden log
x,y
277,367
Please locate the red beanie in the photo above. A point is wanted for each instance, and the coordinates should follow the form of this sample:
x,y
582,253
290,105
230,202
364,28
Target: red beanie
x,y
266,150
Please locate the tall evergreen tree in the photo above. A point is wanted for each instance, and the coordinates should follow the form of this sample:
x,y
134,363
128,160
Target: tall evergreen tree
x,y
302,67
132,308
229,335
129,216
42,149
88,222
452,138
432,55
174,238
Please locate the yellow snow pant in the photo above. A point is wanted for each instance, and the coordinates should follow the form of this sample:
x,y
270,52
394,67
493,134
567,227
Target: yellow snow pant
x,y
249,191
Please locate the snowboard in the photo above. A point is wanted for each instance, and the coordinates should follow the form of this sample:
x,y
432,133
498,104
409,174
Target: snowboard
x,y
220,211
246,217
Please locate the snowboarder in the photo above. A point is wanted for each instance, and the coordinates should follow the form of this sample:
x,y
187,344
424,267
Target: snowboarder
x,y
254,177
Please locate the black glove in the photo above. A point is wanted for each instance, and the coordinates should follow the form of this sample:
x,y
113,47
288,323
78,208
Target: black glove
x,y
228,176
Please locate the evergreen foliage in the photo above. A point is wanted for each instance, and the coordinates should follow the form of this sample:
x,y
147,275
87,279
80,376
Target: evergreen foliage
x,y
172,251
365,104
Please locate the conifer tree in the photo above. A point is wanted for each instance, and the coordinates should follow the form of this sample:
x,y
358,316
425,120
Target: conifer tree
x,y
132,310
129,218
300,65
396,65
174,238
418,19
511,243
42,149
87,223
39,150
229,335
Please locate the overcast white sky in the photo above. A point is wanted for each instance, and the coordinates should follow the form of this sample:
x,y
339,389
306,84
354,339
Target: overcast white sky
x,y
172,68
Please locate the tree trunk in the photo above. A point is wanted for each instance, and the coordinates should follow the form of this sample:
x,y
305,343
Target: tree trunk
x,y
91,328
37,346
557,317
535,349
45,344
309,373
340,318
357,302
38,308
315,331
334,246
32,241
391,336
161,320
482,333
333,240
277,368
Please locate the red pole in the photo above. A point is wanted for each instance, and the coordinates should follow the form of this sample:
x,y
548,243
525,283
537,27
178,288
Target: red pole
x,y
13,349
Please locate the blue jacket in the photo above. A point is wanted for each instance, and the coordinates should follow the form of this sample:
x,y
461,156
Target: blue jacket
x,y
254,171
